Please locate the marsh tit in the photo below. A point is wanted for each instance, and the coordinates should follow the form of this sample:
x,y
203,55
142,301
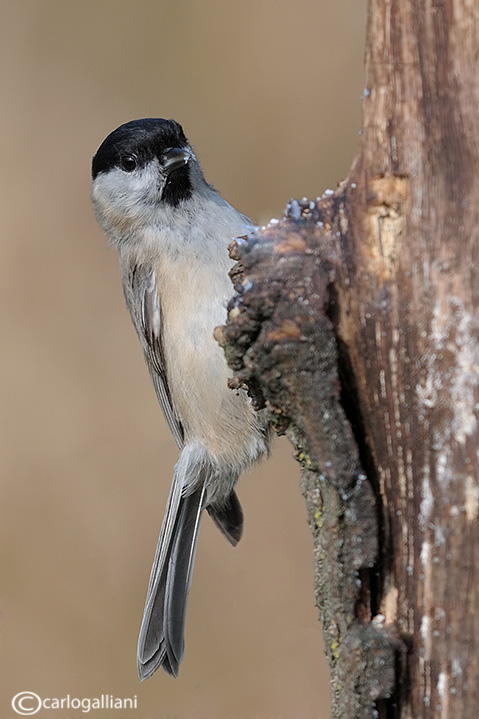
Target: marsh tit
x,y
171,230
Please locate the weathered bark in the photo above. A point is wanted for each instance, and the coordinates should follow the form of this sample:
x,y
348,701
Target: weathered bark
x,y
355,321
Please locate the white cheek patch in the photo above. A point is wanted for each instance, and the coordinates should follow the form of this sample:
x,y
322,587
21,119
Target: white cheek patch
x,y
120,197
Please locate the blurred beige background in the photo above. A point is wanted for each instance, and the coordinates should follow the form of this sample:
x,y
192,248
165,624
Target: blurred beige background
x,y
269,94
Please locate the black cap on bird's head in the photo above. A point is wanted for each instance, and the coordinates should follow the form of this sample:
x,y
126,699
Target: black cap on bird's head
x,y
133,145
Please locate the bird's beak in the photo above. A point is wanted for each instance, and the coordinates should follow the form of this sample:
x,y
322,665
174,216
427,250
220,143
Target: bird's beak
x,y
175,158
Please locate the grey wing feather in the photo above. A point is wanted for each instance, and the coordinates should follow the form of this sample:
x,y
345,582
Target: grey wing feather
x,y
141,294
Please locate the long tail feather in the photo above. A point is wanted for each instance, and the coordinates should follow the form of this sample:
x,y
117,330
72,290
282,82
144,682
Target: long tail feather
x,y
161,641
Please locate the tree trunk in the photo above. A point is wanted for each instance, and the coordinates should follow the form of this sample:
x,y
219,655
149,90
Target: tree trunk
x,y
355,322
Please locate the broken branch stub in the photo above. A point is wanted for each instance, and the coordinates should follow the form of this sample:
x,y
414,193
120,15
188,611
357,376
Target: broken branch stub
x,y
280,341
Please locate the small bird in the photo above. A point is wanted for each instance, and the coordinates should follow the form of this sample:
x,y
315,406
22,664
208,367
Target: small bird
x,y
171,230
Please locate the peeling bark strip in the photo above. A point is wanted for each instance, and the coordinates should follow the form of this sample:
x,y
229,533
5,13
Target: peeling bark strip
x,y
356,321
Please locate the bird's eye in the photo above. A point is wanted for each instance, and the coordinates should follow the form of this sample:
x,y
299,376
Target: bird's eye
x,y
128,163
